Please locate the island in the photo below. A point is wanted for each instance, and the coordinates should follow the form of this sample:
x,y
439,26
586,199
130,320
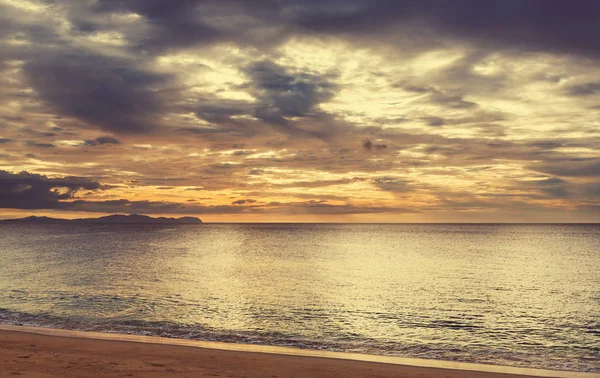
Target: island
x,y
110,219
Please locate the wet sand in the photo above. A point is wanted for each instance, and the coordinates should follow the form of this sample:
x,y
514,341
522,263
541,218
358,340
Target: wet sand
x,y
37,352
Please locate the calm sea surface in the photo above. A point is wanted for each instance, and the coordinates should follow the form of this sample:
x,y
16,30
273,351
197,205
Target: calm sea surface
x,y
520,295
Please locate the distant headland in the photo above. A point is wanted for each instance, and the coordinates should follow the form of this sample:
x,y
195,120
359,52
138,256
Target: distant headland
x,y
110,219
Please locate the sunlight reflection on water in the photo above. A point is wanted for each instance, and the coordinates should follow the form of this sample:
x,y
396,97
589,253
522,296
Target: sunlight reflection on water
x,y
523,295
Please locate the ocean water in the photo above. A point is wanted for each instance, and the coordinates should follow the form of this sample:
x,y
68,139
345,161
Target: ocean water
x,y
518,295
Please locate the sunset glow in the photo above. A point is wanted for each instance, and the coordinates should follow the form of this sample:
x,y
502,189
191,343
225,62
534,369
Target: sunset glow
x,y
285,111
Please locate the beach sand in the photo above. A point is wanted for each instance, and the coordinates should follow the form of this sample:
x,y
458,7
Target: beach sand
x,y
60,353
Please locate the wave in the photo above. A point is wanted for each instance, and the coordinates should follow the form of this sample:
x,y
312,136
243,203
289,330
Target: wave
x,y
351,343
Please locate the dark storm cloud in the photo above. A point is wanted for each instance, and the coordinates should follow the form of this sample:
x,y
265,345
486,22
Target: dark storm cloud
x,y
542,25
286,100
99,91
243,202
173,23
552,187
101,141
592,209
434,121
36,133
283,94
121,97
592,190
545,144
576,167
221,112
585,89
192,22
242,153
39,144
294,94
369,146
32,191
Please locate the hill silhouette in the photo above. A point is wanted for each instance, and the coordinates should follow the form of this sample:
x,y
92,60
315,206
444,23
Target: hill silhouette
x,y
110,219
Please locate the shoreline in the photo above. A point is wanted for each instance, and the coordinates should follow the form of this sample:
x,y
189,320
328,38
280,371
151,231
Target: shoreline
x,y
270,358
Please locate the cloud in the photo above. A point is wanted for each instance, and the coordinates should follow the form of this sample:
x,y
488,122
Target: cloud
x,y
438,97
168,25
286,100
243,202
392,184
39,144
103,92
351,102
150,207
221,113
450,101
311,207
434,121
32,191
523,24
369,146
318,183
317,207
553,187
37,133
101,141
579,167
283,95
192,23
585,89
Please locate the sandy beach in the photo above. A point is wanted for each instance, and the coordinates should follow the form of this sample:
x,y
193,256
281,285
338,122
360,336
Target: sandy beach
x,y
29,352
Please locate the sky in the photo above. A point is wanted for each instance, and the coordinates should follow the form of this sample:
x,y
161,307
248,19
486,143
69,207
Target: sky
x,y
301,111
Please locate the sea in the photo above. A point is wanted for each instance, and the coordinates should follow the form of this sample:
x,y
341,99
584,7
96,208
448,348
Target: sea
x,y
505,294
